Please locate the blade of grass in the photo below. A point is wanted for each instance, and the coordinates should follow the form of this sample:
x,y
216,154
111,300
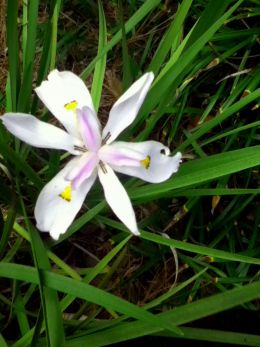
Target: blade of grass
x,y
84,291
20,312
206,127
54,33
100,65
202,170
181,315
8,225
2,341
175,73
19,163
220,336
13,51
141,13
127,76
167,40
50,303
96,270
49,299
186,246
212,12
28,64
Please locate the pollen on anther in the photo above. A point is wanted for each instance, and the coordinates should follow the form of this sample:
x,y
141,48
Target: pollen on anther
x,y
71,106
66,194
146,162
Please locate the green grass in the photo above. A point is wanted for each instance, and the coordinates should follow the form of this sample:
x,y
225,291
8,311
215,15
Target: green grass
x,y
97,285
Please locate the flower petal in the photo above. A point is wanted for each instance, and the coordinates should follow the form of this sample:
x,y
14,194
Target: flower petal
x,y
63,93
90,128
117,197
58,203
148,160
126,108
85,166
37,133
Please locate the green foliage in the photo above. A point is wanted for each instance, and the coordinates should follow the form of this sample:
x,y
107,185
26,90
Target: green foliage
x,y
204,103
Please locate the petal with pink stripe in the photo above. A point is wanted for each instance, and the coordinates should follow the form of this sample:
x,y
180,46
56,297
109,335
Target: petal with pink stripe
x,y
148,160
120,155
89,128
83,169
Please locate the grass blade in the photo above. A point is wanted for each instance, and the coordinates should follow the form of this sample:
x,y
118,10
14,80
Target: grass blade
x,y
100,66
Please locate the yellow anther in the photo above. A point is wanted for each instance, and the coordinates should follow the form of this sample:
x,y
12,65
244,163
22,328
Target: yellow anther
x,y
146,162
71,106
66,194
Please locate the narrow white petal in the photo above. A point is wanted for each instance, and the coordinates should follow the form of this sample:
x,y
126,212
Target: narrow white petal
x,y
37,133
126,108
52,212
156,164
117,198
62,93
89,128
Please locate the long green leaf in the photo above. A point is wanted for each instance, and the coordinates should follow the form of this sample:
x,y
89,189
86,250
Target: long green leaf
x,y
26,87
161,86
83,291
220,336
203,170
180,315
100,66
13,51
167,40
143,11
50,303
186,246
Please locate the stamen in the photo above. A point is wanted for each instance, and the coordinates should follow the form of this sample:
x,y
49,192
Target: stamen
x,y
81,149
71,106
103,168
108,135
146,162
66,194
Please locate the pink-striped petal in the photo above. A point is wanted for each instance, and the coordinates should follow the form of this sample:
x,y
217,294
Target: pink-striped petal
x,y
53,212
89,128
151,161
82,169
121,156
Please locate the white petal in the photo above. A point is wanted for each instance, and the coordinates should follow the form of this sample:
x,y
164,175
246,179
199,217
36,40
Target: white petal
x,y
52,212
37,133
60,90
117,198
127,106
89,128
86,164
161,165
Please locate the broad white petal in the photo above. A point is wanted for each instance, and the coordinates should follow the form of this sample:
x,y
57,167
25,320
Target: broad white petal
x,y
117,198
52,212
148,160
37,133
126,108
62,93
89,128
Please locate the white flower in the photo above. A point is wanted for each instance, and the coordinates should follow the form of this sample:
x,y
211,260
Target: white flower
x,y
96,153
